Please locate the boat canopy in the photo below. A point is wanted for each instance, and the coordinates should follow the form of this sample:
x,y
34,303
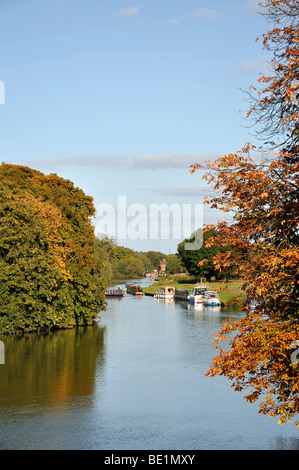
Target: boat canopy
x,y
199,290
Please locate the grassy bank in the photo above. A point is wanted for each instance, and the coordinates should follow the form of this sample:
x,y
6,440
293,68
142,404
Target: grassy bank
x,y
227,291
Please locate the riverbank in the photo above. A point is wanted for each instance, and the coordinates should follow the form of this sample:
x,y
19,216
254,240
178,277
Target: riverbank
x,y
227,291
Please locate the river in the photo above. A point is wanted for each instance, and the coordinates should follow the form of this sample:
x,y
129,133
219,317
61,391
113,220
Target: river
x,y
134,380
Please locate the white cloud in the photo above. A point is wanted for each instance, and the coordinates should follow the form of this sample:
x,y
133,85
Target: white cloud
x,y
260,65
187,191
201,13
140,162
205,13
129,12
86,161
174,21
154,162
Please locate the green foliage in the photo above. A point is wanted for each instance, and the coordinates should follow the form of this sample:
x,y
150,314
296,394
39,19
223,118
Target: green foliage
x,y
104,256
129,267
191,258
119,262
155,257
173,264
129,264
48,275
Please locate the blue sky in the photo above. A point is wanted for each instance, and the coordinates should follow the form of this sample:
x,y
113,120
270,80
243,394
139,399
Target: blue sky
x,y
121,97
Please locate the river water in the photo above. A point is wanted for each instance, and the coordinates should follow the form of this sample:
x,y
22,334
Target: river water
x,y
134,380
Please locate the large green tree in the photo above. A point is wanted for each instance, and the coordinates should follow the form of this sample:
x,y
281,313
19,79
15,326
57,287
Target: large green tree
x,y
48,275
192,259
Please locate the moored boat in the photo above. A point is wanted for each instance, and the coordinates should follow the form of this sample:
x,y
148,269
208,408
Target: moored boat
x,y
197,295
133,288
181,294
250,303
164,293
115,292
211,299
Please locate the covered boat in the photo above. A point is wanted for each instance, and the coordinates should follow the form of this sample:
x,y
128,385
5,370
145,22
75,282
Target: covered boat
x,y
197,295
164,293
181,294
133,288
211,299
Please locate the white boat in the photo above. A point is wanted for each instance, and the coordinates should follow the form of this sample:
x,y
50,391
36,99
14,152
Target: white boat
x,y
165,293
250,303
197,295
211,299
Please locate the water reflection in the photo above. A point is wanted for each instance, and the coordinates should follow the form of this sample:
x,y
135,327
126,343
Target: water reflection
x,y
201,311
134,380
51,368
164,301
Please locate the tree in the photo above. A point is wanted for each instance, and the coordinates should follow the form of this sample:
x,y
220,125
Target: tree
x,y
104,256
193,259
49,278
155,257
173,264
130,267
146,262
263,198
33,288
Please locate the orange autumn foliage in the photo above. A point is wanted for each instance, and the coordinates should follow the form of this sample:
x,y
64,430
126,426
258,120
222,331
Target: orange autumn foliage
x,y
52,217
261,195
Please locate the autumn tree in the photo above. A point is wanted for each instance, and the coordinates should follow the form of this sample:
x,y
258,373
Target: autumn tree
x,y
261,197
48,274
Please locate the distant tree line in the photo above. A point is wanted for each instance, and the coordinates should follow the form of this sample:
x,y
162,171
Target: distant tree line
x,y
119,262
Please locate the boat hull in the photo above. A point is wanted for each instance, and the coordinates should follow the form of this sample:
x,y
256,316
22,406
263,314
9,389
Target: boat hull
x,y
166,293
212,304
164,296
196,299
211,299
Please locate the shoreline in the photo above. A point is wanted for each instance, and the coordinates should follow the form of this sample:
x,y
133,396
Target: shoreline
x,y
227,291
